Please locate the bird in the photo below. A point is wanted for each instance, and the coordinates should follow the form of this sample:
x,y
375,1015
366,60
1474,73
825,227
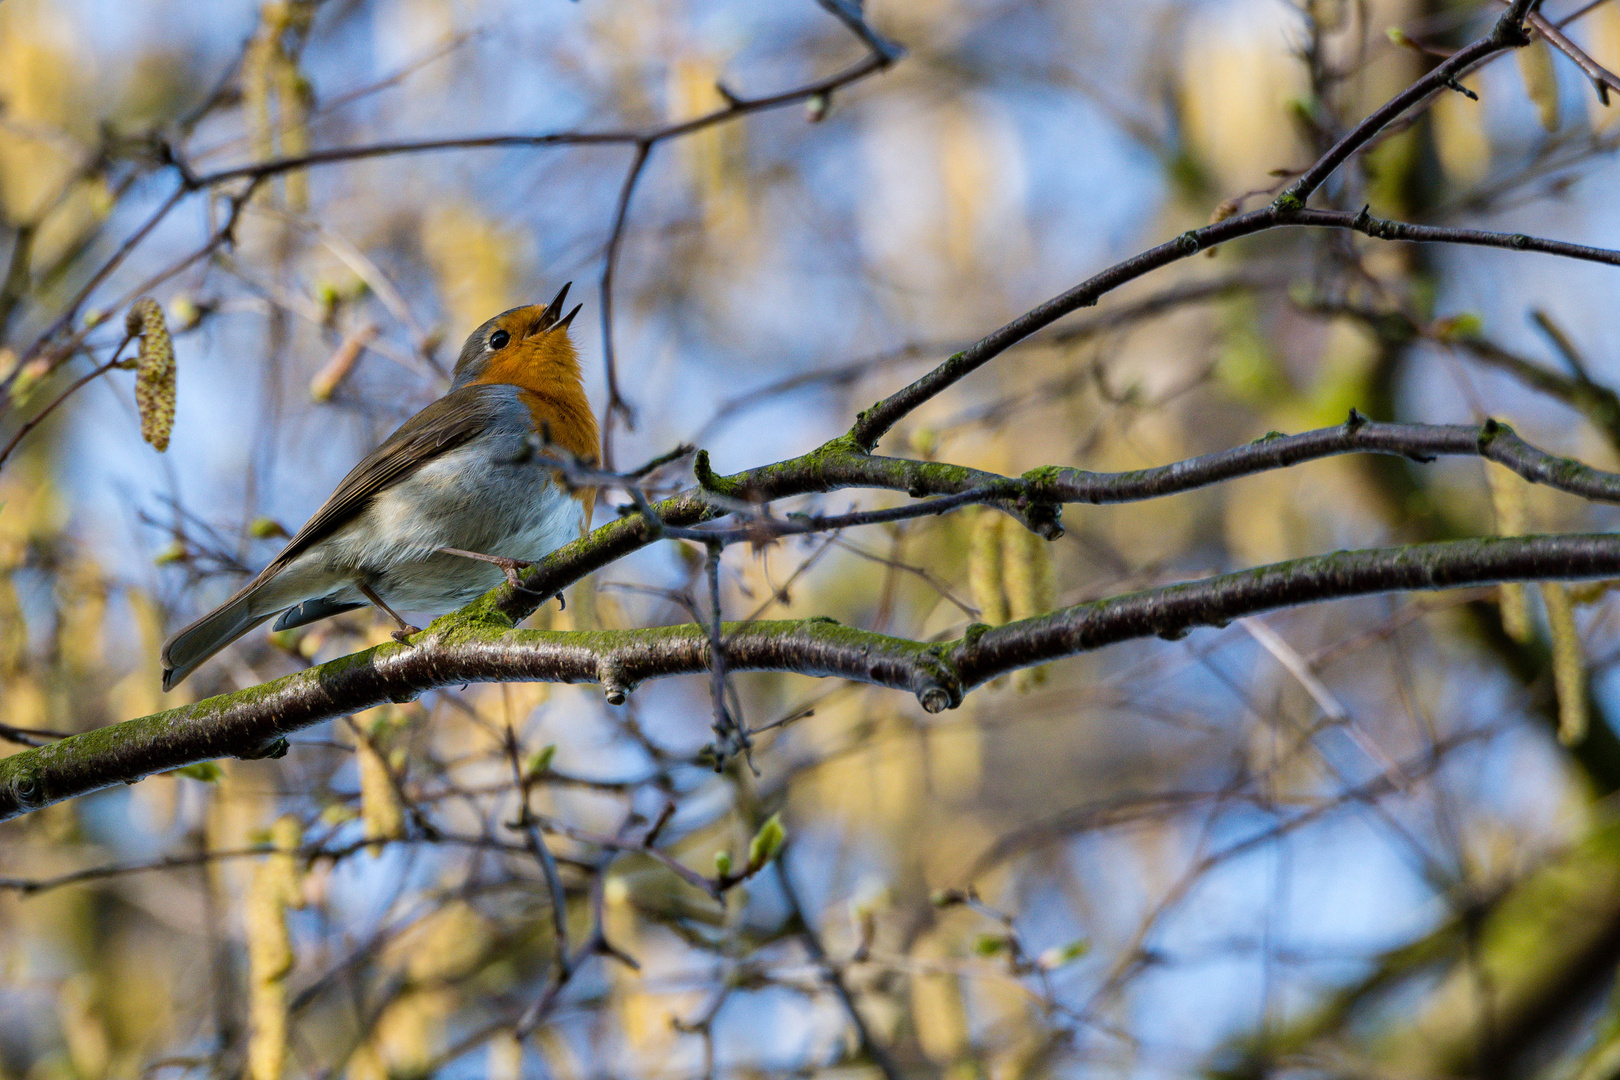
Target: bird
x,y
451,502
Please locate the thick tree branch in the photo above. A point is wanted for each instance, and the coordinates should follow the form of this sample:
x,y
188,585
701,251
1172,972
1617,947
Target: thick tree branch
x,y
480,644
462,648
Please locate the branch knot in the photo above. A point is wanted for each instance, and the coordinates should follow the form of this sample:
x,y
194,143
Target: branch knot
x,y
937,685
25,791
610,674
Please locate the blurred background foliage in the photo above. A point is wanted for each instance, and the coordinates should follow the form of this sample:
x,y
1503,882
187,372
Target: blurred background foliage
x,y
1344,841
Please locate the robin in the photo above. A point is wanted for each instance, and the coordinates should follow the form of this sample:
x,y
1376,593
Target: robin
x,y
445,507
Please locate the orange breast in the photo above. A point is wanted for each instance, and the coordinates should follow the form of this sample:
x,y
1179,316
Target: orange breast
x,y
546,369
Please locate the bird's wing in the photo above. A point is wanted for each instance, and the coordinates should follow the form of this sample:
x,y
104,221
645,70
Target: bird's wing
x,y
442,426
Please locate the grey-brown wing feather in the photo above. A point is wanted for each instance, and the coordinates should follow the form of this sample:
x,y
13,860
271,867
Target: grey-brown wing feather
x,y
442,426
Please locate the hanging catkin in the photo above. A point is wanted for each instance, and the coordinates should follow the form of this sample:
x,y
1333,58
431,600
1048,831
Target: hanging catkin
x,y
154,371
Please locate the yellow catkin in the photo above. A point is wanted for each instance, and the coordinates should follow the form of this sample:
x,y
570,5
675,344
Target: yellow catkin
x,y
1569,663
82,1021
968,175
1540,81
715,157
938,1009
1329,15
366,1063
270,956
270,72
285,836
1026,575
643,1016
984,567
258,72
23,703
293,104
1603,43
694,90
80,638
447,945
504,1059
1026,572
1514,603
1460,139
154,371
1507,503
477,263
1591,592
139,693
410,1032
13,631
380,808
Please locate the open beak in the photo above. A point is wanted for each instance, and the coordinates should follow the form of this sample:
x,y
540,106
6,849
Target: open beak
x,y
552,317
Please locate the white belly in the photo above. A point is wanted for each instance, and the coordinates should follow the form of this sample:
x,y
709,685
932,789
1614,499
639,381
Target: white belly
x,y
459,500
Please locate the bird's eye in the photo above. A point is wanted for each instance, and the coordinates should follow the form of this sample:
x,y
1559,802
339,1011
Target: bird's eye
x,y
498,339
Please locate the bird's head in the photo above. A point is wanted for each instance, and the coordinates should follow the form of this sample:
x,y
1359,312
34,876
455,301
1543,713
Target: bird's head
x,y
526,346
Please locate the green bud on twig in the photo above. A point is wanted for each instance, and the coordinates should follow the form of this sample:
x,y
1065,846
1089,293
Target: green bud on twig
x,y
208,772
541,762
766,843
1058,955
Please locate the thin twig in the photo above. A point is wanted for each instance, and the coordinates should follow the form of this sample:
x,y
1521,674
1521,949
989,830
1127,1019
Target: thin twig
x,y
833,973
82,381
617,406
536,844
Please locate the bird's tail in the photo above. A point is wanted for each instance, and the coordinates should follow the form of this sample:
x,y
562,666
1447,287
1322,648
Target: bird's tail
x,y
189,647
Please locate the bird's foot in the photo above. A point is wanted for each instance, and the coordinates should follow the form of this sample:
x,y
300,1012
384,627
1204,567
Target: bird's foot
x,y
405,629
512,567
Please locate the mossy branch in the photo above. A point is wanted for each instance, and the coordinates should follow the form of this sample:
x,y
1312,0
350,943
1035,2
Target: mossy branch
x,y
480,643
472,646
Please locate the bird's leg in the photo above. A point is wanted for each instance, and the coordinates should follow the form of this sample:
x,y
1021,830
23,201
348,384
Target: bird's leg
x,y
511,566
405,629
